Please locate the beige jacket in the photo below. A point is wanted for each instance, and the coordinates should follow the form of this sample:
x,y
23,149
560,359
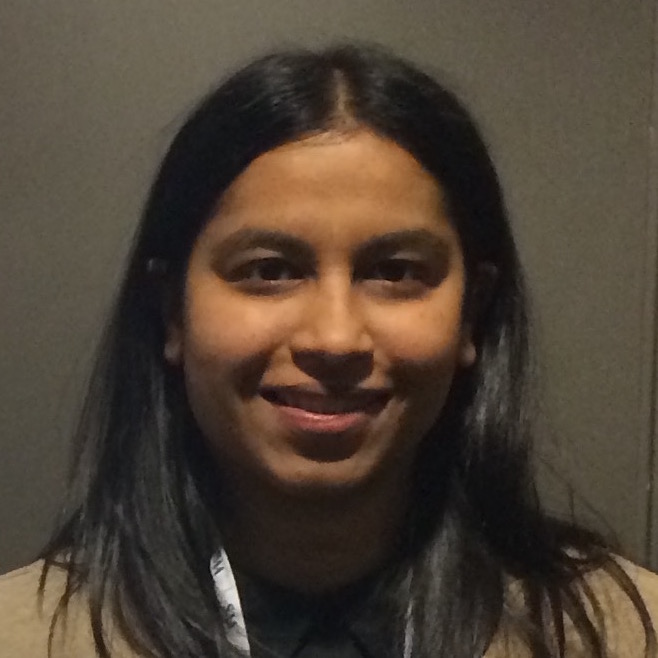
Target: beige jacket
x,y
25,621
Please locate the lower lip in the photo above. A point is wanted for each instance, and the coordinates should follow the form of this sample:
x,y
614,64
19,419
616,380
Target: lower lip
x,y
309,421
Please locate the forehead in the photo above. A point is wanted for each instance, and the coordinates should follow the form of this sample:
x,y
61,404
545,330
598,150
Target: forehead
x,y
355,182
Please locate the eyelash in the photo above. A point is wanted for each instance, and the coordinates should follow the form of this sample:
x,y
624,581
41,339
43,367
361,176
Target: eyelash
x,y
251,270
272,274
395,270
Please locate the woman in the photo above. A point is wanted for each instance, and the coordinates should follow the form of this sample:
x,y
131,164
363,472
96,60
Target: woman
x,y
306,431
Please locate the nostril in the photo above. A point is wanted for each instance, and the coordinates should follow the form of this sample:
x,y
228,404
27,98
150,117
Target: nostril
x,y
335,370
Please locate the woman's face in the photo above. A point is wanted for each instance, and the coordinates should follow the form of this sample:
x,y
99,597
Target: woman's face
x,y
322,319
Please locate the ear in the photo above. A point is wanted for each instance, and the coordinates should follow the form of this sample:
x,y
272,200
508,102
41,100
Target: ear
x,y
467,351
477,301
159,279
173,347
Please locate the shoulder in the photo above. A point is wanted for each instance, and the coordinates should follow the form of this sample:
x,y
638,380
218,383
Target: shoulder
x,y
626,599
620,599
24,623
26,615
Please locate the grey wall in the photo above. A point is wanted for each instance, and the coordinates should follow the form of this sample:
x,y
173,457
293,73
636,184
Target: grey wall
x,y
92,91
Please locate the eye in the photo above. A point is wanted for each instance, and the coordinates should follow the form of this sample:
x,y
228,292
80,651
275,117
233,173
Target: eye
x,y
396,270
400,277
266,275
270,269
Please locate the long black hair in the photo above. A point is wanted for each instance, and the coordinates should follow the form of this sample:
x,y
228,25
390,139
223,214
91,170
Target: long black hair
x,y
139,527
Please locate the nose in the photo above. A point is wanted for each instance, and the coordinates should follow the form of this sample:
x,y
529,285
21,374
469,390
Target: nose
x,y
333,343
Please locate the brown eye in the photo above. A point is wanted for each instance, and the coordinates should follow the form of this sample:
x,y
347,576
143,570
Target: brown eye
x,y
396,270
271,269
266,276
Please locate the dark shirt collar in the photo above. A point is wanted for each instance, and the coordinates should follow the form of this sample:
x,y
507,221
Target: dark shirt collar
x,y
357,621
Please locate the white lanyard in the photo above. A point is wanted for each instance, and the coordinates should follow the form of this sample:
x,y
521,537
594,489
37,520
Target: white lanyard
x,y
229,602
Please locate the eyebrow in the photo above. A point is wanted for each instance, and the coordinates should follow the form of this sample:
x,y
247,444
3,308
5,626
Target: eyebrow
x,y
422,239
252,238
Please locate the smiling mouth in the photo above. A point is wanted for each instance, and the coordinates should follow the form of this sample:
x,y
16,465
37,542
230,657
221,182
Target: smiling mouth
x,y
325,427
357,401
309,413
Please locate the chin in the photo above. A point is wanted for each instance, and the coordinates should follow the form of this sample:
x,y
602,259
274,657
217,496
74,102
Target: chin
x,y
313,478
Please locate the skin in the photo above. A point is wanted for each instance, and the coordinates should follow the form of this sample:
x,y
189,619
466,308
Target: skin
x,y
358,293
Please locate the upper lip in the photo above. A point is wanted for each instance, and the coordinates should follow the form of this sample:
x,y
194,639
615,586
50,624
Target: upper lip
x,y
318,401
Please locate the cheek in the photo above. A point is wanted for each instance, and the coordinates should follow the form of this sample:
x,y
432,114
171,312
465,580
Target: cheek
x,y
425,335
424,344
228,330
225,345
229,341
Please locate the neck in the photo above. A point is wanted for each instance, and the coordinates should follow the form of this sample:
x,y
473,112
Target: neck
x,y
313,543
